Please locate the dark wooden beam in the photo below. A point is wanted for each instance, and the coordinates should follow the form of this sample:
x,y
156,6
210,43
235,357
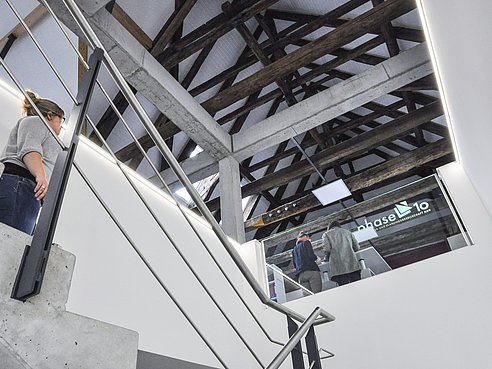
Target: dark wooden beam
x,y
265,231
379,110
258,52
362,120
337,38
267,195
130,25
361,209
403,33
344,150
252,43
210,32
245,60
285,38
409,139
432,127
376,137
418,97
108,120
426,83
343,56
172,25
165,128
364,180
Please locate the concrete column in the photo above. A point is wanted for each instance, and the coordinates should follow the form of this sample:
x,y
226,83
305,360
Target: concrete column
x,y
230,199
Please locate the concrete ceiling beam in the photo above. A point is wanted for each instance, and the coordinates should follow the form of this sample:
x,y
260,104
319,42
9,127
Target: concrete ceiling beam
x,y
377,81
348,95
157,85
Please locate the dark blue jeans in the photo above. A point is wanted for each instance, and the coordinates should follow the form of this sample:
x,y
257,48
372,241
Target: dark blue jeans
x,y
18,205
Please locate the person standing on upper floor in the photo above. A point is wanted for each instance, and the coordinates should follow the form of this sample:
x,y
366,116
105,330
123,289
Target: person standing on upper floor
x,y
304,259
29,158
340,246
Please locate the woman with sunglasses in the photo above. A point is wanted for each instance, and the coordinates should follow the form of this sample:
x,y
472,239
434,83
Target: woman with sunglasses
x,y
29,158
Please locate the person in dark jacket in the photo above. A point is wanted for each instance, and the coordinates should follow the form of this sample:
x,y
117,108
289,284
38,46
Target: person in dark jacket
x,y
304,260
340,247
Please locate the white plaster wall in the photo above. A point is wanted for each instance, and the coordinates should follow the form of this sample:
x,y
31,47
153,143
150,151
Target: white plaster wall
x,y
10,106
460,35
431,314
112,284
436,313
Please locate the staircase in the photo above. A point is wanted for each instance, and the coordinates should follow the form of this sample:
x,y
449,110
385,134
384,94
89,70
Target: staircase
x,y
40,333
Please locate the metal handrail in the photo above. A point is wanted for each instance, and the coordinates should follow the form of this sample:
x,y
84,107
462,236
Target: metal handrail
x,y
159,223
67,37
38,112
41,50
296,337
146,262
289,279
167,154
142,151
326,316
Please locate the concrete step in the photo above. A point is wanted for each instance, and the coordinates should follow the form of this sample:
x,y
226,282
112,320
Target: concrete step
x,y
40,333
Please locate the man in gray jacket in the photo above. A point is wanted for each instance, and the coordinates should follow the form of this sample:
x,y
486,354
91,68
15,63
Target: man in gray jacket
x,y
340,246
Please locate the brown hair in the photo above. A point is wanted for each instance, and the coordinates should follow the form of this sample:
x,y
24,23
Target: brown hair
x,y
334,224
44,105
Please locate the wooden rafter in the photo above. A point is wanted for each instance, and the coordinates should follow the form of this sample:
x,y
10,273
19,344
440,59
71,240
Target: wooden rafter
x,y
210,32
366,179
172,25
346,149
333,40
31,19
403,33
362,209
130,25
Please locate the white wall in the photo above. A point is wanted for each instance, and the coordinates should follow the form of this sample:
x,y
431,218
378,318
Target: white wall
x,y
431,314
435,313
10,106
110,283
460,35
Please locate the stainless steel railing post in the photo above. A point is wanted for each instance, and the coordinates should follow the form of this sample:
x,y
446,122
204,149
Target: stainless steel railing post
x,y
292,342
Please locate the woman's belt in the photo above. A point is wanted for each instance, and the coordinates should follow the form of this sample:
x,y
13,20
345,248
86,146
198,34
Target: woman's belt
x,y
17,170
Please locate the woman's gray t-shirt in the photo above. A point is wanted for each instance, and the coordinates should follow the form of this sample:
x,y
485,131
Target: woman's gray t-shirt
x,y
30,134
